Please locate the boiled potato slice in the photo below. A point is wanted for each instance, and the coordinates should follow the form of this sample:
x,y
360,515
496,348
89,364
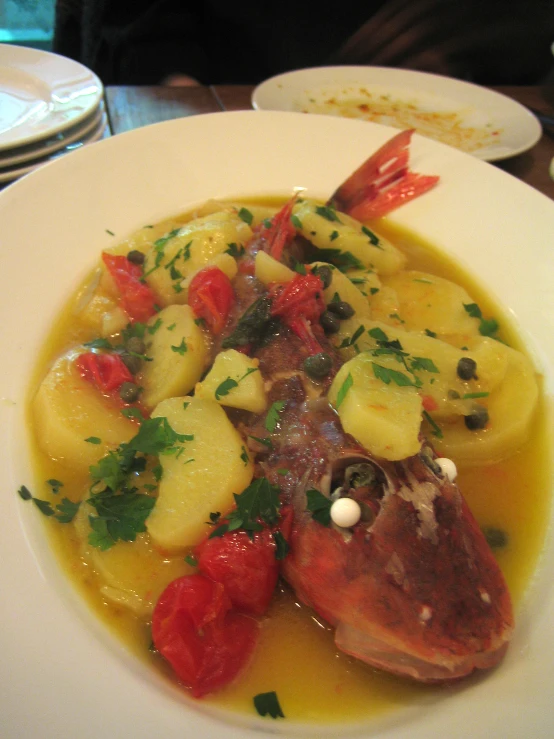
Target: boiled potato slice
x,y
511,407
201,480
384,419
235,381
185,250
67,410
133,574
423,301
330,229
269,270
177,349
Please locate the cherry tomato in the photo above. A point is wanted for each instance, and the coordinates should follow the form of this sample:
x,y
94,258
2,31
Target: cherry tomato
x,y
280,230
137,299
246,567
299,304
197,632
211,297
106,371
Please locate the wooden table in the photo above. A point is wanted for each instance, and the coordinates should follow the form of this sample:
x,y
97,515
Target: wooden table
x,y
132,107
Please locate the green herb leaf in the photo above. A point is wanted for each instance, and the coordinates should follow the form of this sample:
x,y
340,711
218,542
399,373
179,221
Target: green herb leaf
x,y
268,704
190,560
272,418
99,344
244,456
93,440
423,363
44,506
430,333
378,334
281,545
387,376
259,501
436,431
235,250
265,441
66,510
181,349
124,515
343,260
319,506
344,388
467,396
349,341
296,222
225,388
25,493
55,485
327,212
251,324
246,216
373,238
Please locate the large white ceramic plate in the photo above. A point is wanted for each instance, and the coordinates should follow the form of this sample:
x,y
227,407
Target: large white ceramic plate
x,y
62,674
41,94
443,108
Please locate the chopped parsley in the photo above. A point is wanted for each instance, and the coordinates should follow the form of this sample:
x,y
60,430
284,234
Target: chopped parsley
x,y
235,250
272,418
225,387
319,506
93,440
343,260
487,326
330,214
246,216
373,238
434,426
63,512
181,349
343,390
258,504
296,222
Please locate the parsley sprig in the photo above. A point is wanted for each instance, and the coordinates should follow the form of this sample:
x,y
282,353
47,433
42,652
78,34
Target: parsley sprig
x,y
258,504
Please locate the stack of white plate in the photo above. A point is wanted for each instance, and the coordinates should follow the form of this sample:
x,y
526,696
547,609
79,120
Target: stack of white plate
x,y
49,106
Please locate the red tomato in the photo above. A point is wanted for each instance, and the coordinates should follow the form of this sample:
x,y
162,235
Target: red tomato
x,y
299,304
429,403
137,299
195,630
383,182
246,567
106,371
211,297
280,230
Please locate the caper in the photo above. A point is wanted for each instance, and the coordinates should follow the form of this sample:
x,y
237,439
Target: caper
x,y
329,322
318,365
477,419
129,392
136,257
341,309
325,275
135,345
132,363
466,368
453,395
496,538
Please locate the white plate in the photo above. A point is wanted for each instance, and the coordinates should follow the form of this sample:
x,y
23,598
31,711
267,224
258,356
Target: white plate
x,y
63,674
94,133
42,94
21,154
449,110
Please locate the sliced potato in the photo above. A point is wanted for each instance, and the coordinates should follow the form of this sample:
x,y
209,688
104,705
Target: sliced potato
x,y
67,410
178,351
511,407
185,250
201,480
133,574
384,419
269,270
235,381
423,301
329,229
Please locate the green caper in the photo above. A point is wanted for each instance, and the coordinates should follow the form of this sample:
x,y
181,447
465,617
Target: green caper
x,y
136,257
325,275
496,538
453,395
135,345
477,419
129,392
466,368
329,322
341,309
318,365
132,363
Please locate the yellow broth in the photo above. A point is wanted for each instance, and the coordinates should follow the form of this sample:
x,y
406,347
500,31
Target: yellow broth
x,y
296,655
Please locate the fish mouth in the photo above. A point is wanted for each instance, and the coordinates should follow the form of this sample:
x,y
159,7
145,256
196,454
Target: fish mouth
x,y
385,656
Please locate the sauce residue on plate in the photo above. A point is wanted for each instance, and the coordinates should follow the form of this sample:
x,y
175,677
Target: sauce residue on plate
x,y
430,117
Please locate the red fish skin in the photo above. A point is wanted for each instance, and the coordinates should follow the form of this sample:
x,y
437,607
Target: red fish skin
x,y
428,609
